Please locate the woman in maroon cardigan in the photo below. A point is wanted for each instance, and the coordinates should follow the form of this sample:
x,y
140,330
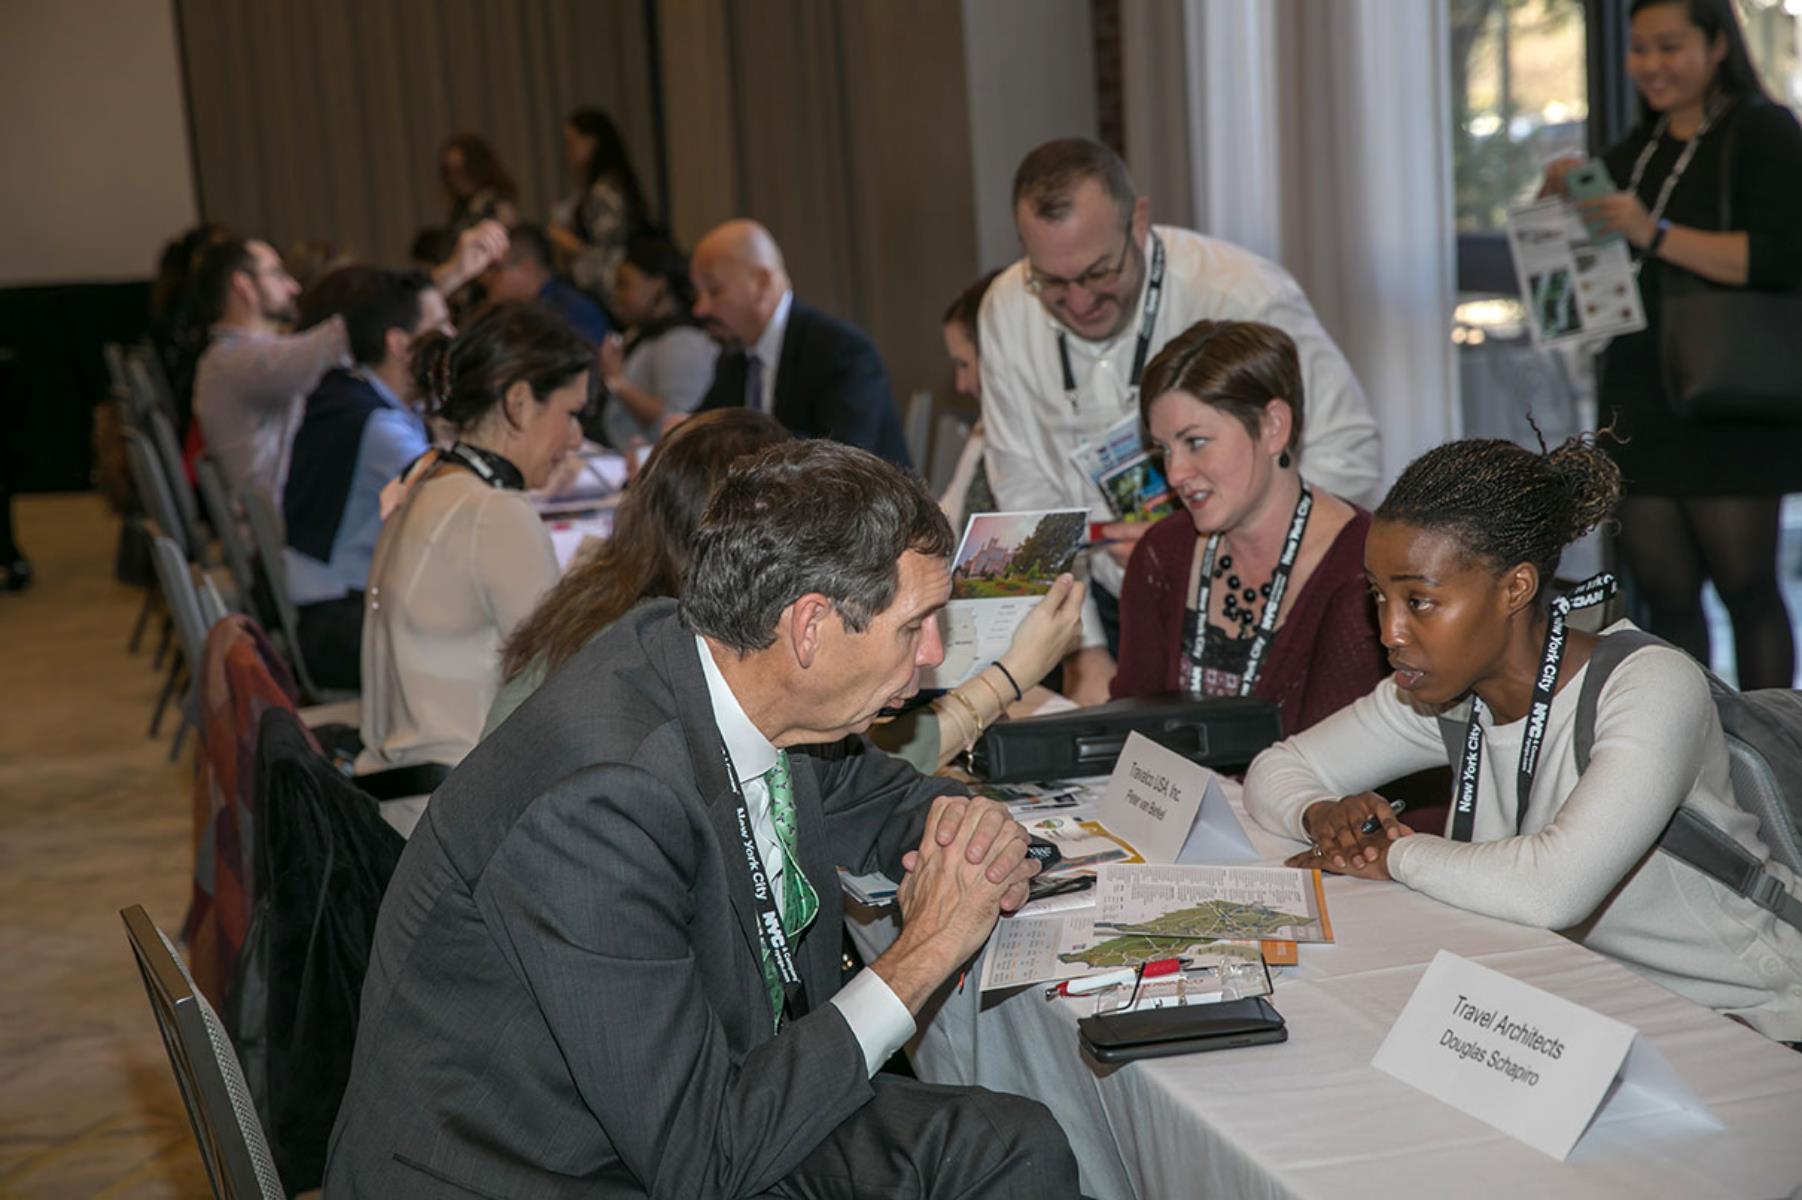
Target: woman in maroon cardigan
x,y
1223,404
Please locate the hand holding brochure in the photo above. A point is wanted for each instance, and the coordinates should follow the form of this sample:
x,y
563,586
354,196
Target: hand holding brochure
x,y
1004,565
1575,289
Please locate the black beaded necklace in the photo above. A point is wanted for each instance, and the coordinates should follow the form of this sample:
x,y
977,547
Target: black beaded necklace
x,y
1231,605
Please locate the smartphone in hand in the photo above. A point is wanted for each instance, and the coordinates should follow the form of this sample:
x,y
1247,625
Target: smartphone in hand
x,y
1586,181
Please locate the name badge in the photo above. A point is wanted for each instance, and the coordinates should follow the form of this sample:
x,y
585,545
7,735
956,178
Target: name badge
x,y
1170,809
1533,1065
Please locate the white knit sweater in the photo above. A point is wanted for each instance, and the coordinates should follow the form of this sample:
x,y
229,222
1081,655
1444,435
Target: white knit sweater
x,y
1584,862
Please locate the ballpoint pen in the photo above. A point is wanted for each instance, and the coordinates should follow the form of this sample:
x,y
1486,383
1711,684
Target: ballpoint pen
x,y
1090,984
1372,824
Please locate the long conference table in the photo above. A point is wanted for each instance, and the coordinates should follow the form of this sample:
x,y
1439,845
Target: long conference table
x,y
1312,1118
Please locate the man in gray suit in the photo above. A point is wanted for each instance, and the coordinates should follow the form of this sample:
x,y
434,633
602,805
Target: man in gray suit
x,y
608,963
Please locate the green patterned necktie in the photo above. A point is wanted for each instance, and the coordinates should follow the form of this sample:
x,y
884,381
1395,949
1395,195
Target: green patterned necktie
x,y
800,903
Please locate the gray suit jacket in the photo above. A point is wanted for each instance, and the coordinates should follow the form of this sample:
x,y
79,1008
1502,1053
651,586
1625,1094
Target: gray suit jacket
x,y
564,995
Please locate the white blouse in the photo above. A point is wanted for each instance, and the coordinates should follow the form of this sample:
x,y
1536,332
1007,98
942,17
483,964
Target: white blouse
x,y
455,571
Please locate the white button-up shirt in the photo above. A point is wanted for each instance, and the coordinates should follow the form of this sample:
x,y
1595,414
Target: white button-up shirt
x,y
878,1019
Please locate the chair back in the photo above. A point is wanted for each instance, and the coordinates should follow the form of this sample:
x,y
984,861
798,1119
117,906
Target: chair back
x,y
269,532
177,582
224,1120
213,608
113,354
225,524
917,428
168,452
950,435
153,488
144,372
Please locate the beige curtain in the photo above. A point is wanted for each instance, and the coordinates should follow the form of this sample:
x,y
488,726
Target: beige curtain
x,y
322,119
1314,132
844,127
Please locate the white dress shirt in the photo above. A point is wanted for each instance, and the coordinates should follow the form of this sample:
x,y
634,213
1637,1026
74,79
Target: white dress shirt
x,y
878,1019
768,349
1032,428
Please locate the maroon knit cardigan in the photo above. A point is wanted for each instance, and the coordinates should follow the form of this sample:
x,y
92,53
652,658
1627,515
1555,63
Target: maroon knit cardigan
x,y
1325,653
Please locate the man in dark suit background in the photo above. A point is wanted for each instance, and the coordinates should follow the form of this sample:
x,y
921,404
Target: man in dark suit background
x,y
819,376
608,963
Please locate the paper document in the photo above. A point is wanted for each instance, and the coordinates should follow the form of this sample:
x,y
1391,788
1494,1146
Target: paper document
x,y
1004,565
1083,844
874,890
1126,474
1212,902
1047,949
1575,288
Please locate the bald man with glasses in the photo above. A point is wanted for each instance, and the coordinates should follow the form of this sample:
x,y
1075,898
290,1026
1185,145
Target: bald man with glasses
x,y
1067,330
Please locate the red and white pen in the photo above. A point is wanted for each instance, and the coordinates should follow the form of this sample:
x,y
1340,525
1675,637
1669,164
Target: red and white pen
x,y
1088,985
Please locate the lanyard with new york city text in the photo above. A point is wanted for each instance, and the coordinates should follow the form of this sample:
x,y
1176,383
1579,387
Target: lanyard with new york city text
x,y
1154,297
1464,795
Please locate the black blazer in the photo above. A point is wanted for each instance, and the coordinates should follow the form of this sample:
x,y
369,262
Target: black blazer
x,y
830,383
565,995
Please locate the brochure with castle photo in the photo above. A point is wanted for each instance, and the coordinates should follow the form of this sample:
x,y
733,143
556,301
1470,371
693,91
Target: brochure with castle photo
x,y
1003,565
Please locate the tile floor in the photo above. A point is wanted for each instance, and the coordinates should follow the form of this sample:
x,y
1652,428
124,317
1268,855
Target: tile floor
x,y
92,818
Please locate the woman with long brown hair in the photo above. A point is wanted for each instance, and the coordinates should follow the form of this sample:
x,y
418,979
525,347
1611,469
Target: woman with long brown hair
x,y
476,185
646,556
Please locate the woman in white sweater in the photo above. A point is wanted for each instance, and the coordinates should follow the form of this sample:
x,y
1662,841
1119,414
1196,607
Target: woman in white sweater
x,y
463,557
1456,558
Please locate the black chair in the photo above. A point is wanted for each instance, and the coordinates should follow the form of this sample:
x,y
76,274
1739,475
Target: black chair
x,y
206,1069
324,856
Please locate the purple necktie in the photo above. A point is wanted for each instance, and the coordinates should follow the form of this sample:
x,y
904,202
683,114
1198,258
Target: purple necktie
x,y
753,382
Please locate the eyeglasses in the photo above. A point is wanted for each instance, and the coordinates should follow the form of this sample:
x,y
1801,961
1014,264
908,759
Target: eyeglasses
x,y
1095,279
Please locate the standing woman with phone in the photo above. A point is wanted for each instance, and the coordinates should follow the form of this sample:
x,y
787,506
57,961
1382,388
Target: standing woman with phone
x,y
1701,496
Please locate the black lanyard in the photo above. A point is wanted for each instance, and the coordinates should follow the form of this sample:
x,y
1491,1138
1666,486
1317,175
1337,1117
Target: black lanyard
x,y
491,468
1464,797
1154,297
770,933
1279,583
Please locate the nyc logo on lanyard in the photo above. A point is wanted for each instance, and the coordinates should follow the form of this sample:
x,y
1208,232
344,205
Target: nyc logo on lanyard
x,y
1464,811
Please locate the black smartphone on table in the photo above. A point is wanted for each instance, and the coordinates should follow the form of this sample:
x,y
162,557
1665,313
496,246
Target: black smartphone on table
x,y
1181,1029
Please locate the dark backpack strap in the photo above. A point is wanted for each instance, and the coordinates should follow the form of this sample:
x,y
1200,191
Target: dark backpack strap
x,y
1696,842
1688,838
1610,650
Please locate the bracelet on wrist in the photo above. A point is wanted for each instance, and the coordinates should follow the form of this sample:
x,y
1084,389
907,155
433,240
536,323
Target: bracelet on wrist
x,y
1000,700
1658,231
975,718
1011,681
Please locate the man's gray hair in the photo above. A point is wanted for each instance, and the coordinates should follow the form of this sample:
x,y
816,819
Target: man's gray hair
x,y
1048,177
802,517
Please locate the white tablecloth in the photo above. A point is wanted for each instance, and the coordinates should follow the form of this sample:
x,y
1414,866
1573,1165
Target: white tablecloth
x,y
1312,1118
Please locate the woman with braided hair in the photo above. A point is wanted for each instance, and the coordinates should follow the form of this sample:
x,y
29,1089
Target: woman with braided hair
x,y
1459,560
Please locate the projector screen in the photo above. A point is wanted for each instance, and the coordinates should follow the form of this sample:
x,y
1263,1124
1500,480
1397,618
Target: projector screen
x,y
93,140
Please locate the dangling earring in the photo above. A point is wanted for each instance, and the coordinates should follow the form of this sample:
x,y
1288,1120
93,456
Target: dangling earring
x,y
1282,460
